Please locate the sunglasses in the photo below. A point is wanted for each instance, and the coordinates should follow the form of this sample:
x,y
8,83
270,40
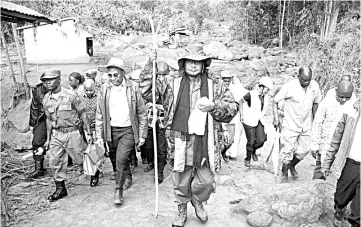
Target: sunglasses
x,y
115,75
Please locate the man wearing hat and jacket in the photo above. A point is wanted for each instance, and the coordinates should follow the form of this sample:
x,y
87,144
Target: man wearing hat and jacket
x,y
121,120
38,122
62,109
145,85
194,107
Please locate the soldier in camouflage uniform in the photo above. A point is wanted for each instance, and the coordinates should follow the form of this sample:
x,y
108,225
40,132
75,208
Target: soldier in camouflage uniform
x,y
195,156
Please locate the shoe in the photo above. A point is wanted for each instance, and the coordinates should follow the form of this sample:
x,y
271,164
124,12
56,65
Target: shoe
x,y
201,213
181,217
59,193
292,168
247,163
338,217
112,176
284,177
118,194
149,167
225,158
38,172
255,157
132,166
144,161
128,183
94,180
160,177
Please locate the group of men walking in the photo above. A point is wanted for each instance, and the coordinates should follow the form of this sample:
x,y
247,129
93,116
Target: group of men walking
x,y
192,109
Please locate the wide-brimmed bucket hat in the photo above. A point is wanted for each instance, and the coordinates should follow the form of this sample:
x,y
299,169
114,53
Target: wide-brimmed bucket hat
x,y
117,63
194,52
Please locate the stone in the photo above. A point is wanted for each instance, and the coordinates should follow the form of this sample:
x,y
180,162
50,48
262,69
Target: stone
x,y
214,48
294,203
259,219
255,52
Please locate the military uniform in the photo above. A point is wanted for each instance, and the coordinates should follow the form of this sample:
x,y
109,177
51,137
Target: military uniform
x,y
64,111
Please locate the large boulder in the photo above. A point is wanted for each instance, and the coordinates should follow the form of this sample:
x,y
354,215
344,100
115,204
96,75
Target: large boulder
x,y
217,50
297,203
255,52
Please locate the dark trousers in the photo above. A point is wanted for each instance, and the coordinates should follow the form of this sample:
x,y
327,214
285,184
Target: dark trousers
x,y
39,138
256,137
121,145
348,190
317,174
161,147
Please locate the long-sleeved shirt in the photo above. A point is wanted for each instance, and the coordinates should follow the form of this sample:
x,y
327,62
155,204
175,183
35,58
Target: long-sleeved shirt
x,y
327,116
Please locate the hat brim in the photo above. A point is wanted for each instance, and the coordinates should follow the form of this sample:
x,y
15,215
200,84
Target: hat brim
x,y
104,68
206,59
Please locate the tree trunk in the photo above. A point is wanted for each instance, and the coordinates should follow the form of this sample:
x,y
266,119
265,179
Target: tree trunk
x,y
22,66
12,75
333,20
283,17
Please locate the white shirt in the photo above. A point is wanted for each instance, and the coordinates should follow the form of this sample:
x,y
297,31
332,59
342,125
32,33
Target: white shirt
x,y
118,106
355,152
298,104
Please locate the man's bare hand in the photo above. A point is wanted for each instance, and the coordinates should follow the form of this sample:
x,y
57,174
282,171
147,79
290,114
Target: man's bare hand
x,y
141,142
46,144
205,105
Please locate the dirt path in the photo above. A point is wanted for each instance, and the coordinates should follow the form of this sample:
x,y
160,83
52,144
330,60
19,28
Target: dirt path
x,y
86,206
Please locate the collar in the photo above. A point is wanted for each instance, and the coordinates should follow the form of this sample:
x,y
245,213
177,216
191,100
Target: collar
x,y
61,93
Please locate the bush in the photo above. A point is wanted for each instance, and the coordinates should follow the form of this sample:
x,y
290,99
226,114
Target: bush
x,y
334,56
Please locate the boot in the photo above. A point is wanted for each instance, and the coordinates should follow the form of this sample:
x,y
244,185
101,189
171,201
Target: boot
x,y
94,180
284,177
181,217
120,179
149,167
39,170
292,168
60,191
338,217
118,196
201,213
112,176
128,180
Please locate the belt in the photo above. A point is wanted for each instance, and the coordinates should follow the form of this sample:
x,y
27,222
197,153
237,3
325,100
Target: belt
x,y
67,129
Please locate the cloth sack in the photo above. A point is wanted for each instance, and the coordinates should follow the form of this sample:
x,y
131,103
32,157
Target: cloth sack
x,y
93,155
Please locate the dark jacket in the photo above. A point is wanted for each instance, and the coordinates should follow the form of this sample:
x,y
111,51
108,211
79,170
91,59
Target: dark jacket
x,y
36,108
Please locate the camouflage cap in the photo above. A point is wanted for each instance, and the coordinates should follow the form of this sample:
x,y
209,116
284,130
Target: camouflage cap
x,y
50,74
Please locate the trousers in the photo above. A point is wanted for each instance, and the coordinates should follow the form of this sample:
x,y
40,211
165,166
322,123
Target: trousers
x,y
197,182
294,143
161,147
348,190
256,137
62,144
39,138
122,144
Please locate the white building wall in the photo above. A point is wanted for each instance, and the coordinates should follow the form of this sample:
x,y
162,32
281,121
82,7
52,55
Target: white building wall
x,y
55,43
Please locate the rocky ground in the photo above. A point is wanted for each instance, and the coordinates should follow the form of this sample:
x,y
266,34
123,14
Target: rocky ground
x,y
299,203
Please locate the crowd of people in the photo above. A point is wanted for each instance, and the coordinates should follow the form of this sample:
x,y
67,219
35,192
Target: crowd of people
x,y
198,122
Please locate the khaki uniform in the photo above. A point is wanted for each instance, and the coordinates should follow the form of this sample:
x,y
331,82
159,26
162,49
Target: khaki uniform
x,y
64,113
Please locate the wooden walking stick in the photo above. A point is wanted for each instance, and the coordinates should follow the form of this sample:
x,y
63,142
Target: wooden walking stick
x,y
154,120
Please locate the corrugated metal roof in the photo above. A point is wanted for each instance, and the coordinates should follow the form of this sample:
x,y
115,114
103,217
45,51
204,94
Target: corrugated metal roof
x,y
22,10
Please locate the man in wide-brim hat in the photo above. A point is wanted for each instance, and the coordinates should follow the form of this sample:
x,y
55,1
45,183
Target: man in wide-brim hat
x,y
121,121
191,96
